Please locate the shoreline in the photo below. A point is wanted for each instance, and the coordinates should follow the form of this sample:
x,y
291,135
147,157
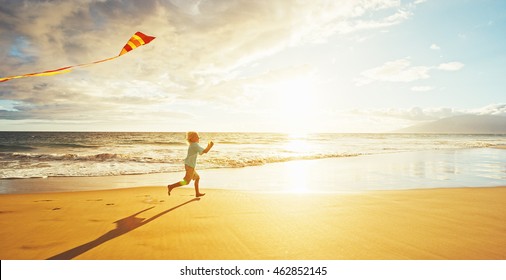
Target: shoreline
x,y
390,171
144,223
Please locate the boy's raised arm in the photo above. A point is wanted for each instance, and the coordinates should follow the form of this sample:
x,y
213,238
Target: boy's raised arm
x,y
209,146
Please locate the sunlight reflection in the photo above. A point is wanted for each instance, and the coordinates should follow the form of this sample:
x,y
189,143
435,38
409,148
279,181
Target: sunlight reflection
x,y
297,142
298,135
297,175
296,146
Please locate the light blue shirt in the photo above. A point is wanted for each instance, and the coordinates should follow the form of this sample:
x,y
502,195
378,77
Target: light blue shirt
x,y
193,151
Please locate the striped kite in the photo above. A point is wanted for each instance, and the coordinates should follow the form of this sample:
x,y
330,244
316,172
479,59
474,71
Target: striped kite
x,y
137,40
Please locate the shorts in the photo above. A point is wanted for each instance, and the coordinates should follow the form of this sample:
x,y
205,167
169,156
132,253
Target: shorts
x,y
191,174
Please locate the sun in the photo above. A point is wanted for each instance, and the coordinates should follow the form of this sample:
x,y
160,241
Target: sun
x,y
295,107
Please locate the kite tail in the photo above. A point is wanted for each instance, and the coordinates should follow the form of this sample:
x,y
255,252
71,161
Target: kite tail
x,y
39,74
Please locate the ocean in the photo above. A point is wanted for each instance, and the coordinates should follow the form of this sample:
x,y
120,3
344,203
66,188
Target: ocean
x,y
86,154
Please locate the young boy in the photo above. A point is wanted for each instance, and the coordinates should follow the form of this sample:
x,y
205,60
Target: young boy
x,y
194,149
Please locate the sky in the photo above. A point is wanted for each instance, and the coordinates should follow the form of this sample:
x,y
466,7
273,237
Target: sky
x,y
260,66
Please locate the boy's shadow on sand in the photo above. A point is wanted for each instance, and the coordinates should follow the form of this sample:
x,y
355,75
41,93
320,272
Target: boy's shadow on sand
x,y
123,226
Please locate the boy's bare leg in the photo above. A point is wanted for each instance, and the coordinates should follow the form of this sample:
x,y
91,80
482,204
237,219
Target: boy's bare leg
x,y
171,187
196,182
184,182
189,174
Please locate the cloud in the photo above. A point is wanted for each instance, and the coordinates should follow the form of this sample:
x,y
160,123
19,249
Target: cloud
x,y
429,114
394,71
358,25
401,71
435,47
451,66
492,109
422,88
412,114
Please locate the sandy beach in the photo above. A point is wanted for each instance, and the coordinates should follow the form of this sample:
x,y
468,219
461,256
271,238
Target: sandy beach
x,y
144,223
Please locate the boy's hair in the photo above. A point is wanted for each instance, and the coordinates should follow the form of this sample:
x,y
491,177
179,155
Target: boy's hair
x,y
190,135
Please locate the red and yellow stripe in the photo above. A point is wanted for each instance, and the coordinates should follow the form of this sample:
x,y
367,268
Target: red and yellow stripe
x,y
137,40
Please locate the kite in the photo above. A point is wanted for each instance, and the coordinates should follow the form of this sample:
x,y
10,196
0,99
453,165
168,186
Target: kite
x,y
137,40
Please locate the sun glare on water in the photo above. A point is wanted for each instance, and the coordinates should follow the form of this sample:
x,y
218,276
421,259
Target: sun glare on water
x,y
297,143
297,173
299,176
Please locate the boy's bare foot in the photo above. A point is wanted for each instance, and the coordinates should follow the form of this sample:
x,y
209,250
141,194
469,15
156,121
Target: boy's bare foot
x,y
200,194
168,189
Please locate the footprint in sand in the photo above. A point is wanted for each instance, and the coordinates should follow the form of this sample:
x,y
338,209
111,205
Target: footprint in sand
x,y
56,208
150,200
109,204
